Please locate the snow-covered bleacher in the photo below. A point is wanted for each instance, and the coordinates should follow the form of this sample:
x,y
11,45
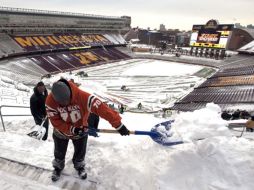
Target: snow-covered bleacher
x,y
53,53
248,48
23,76
115,38
14,92
9,83
230,86
8,46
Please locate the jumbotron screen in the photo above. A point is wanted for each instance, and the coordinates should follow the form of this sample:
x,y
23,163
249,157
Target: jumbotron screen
x,y
215,36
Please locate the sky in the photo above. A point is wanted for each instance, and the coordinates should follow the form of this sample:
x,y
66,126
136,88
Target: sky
x,y
220,161
174,14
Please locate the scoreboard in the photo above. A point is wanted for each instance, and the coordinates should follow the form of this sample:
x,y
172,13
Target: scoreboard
x,y
211,35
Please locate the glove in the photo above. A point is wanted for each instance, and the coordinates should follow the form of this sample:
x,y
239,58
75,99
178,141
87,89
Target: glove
x,y
123,130
92,132
79,131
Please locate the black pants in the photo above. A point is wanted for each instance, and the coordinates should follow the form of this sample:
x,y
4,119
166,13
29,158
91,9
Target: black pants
x,y
93,120
46,126
61,148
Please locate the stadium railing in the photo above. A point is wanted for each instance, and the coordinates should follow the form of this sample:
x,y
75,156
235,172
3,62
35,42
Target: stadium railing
x,y
11,115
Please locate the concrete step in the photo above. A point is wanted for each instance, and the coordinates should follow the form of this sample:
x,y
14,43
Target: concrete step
x,y
43,176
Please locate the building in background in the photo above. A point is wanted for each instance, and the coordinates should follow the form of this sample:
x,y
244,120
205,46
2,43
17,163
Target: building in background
x,y
162,28
171,37
182,39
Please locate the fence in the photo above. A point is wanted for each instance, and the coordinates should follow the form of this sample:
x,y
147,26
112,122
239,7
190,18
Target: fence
x,y
11,115
10,97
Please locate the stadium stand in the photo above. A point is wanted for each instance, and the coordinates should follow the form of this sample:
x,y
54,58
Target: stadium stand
x,y
59,62
248,48
35,43
229,94
229,81
231,86
8,46
62,41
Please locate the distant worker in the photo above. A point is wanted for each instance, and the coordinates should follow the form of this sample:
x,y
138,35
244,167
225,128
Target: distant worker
x,y
121,109
140,106
250,125
68,109
37,106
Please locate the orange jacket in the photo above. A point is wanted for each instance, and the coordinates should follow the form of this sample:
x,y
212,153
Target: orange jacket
x,y
77,112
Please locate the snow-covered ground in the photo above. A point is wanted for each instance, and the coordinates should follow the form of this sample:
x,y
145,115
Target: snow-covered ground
x,y
221,161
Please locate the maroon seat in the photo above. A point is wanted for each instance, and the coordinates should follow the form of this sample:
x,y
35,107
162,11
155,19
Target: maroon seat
x,y
44,64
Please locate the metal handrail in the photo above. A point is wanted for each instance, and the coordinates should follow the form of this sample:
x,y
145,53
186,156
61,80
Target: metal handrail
x,y
1,115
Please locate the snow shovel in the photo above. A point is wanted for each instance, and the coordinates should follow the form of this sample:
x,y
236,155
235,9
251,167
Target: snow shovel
x,y
160,133
38,131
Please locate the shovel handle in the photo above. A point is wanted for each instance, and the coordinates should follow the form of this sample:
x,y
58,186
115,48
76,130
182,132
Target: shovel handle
x,y
111,131
131,132
44,120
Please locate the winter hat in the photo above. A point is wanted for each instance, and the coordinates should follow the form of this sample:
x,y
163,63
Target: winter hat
x,y
40,83
61,92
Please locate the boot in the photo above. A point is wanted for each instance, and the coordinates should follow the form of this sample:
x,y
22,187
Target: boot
x,y
249,129
56,174
82,173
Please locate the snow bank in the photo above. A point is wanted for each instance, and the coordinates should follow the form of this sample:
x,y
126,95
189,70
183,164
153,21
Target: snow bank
x,y
137,162
199,124
7,80
22,87
215,163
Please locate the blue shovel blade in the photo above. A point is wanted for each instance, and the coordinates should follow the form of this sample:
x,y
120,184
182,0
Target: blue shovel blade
x,y
161,134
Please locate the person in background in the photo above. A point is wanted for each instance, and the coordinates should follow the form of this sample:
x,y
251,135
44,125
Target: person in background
x,y
37,106
226,115
68,109
250,124
121,108
140,106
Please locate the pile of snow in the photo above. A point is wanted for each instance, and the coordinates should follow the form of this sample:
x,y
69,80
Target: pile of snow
x,y
214,163
199,124
22,87
7,80
3,84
